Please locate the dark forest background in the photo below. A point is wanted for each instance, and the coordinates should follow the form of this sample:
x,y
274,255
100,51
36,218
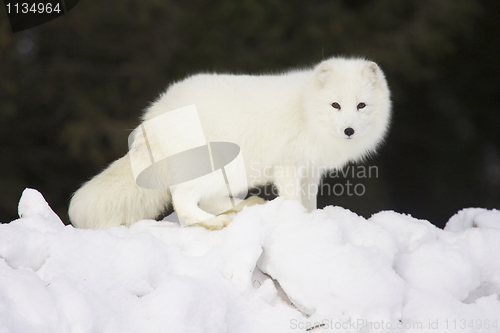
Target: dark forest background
x,y
71,90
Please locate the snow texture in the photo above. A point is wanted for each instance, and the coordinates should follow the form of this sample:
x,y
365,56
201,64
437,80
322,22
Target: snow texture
x,y
275,268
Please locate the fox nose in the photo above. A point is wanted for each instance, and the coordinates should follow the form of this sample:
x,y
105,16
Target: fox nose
x,y
348,131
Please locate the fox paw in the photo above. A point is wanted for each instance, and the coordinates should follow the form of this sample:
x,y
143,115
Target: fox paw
x,y
217,222
253,200
220,221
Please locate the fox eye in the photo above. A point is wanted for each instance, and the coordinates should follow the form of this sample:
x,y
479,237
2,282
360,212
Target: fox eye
x,y
361,106
336,105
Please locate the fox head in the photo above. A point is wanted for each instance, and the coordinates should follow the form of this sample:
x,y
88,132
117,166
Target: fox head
x,y
349,100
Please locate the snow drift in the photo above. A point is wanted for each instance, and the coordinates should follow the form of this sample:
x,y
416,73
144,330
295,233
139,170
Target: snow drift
x,y
275,268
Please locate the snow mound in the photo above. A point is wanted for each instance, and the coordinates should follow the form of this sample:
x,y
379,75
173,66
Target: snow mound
x,y
275,268
474,218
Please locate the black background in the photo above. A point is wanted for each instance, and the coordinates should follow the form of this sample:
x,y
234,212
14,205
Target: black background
x,y
71,90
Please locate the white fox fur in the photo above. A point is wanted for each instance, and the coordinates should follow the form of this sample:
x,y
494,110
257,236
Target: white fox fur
x,y
286,120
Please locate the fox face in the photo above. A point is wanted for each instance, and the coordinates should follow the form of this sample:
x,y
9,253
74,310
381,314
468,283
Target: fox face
x,y
349,100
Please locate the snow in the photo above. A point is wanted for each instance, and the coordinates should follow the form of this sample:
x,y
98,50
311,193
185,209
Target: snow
x,y
275,268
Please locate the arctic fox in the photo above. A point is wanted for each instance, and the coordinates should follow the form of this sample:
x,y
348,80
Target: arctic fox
x,y
316,118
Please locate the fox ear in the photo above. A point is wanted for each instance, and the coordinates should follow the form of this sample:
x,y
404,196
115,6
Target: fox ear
x,y
322,73
372,71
